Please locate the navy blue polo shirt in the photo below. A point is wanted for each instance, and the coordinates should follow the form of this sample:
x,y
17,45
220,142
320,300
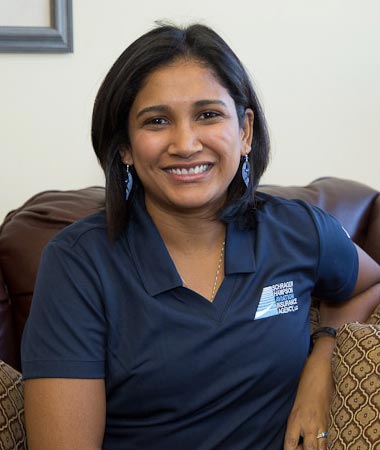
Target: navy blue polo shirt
x,y
180,371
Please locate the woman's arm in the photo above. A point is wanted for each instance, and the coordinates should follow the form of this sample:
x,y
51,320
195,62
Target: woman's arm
x,y
65,414
364,299
310,412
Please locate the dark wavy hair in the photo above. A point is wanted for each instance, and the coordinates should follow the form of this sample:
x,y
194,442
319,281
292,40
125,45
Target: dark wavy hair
x,y
159,47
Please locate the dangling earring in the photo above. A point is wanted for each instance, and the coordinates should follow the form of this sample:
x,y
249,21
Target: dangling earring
x,y
128,181
246,170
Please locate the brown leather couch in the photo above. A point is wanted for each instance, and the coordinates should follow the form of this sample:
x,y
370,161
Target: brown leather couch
x,y
27,229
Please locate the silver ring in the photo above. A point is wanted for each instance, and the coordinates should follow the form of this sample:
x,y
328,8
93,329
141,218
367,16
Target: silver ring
x,y
324,434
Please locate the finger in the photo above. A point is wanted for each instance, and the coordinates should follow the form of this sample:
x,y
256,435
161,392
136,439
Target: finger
x,y
290,443
310,441
293,433
292,439
322,443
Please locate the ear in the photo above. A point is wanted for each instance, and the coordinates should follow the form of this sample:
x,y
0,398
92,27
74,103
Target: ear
x,y
247,132
126,155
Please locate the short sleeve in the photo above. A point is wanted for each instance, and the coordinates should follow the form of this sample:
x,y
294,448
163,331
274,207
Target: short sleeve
x,y
64,335
337,269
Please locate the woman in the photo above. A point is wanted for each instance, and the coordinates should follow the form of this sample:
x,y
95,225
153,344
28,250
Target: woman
x,y
180,318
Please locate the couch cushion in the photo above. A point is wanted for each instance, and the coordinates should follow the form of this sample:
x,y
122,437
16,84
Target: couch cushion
x,y
355,419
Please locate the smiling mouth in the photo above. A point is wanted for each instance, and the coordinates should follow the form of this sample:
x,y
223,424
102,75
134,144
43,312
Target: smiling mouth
x,y
191,171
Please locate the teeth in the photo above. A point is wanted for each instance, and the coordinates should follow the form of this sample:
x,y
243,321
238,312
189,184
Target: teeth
x,y
192,170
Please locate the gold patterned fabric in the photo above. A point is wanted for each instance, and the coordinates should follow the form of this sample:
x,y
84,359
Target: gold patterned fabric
x,y
12,428
375,317
355,409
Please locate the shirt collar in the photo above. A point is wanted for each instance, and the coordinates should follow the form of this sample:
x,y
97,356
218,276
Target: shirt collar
x,y
154,264
240,255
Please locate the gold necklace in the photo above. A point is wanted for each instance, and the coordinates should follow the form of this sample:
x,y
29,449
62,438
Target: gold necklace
x,y
218,270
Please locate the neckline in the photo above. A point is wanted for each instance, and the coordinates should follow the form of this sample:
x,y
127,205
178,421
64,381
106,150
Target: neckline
x,y
154,264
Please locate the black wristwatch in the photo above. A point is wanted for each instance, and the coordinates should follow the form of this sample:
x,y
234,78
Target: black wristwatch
x,y
322,331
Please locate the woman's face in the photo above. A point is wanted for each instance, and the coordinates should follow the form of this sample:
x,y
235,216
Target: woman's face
x,y
185,139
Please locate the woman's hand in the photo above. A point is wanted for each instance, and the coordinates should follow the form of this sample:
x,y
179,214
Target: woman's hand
x,y
310,413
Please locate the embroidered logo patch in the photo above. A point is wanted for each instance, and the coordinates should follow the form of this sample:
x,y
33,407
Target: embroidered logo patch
x,y
277,299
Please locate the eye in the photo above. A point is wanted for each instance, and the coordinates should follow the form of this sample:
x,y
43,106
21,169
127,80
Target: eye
x,y
156,121
209,115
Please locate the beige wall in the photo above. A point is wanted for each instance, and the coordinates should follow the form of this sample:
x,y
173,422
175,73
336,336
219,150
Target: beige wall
x,y
316,66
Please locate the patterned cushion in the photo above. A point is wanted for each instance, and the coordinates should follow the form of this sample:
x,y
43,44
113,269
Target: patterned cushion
x,y
375,317
12,429
355,409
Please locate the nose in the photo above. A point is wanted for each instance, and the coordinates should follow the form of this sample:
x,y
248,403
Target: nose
x,y
185,141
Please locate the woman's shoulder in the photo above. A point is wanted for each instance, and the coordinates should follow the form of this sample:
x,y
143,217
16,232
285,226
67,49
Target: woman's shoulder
x,y
92,229
272,203
294,212
298,213
274,208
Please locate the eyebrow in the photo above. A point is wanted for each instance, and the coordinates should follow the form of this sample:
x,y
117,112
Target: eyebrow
x,y
156,108
210,102
164,108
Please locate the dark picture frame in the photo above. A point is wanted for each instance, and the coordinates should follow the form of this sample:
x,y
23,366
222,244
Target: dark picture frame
x,y
58,38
